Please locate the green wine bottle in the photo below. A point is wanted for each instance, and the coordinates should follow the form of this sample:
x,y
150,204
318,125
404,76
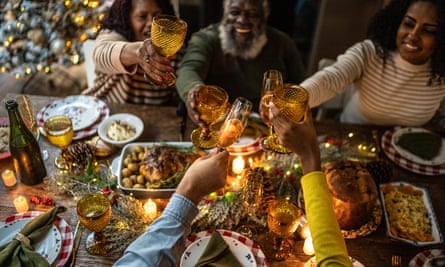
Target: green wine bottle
x,y
24,148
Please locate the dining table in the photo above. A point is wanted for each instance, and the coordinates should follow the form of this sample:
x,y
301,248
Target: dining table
x,y
162,123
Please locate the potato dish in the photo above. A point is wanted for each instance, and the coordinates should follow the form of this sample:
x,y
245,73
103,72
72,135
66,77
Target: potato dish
x,y
120,130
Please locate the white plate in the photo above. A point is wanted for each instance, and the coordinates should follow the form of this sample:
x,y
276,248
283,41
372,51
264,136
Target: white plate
x,y
83,110
438,160
436,233
423,258
128,118
193,252
311,262
49,247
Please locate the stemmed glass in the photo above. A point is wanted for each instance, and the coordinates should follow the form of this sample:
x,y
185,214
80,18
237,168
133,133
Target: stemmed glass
x,y
211,104
94,211
252,193
235,122
167,36
283,218
59,131
272,82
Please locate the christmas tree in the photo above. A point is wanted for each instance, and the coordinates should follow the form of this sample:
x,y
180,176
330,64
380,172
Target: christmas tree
x,y
35,36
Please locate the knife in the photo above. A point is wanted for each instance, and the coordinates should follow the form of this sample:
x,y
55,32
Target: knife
x,y
77,237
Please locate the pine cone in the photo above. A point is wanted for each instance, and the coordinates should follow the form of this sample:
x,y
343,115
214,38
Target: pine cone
x,y
380,170
78,155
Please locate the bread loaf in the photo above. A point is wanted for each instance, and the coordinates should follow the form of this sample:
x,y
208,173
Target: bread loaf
x,y
353,192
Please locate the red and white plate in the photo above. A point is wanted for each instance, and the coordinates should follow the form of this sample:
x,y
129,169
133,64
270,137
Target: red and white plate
x,y
82,132
427,256
64,229
394,155
252,247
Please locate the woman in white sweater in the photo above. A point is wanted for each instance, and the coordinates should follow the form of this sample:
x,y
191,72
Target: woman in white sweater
x,y
397,74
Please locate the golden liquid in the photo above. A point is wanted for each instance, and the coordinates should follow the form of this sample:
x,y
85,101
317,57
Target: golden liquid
x,y
264,107
168,34
292,101
94,212
230,132
212,103
59,131
283,218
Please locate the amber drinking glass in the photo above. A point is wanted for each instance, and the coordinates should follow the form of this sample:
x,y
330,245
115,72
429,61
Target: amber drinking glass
x,y
94,212
59,131
211,104
167,36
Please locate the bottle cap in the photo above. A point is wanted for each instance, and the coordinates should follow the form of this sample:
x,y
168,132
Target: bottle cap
x,y
10,104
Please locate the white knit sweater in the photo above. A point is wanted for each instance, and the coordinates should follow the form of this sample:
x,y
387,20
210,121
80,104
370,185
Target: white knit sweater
x,y
397,94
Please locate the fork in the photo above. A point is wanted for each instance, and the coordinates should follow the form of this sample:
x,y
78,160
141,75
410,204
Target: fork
x,y
396,261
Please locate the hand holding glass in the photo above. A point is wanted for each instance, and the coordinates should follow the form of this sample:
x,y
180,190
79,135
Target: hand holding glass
x,y
167,36
94,211
235,122
59,131
211,103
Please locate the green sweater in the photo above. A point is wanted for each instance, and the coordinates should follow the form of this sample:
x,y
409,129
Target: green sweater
x,y
205,63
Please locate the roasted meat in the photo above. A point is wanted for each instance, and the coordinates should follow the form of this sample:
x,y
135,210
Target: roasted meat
x,y
162,162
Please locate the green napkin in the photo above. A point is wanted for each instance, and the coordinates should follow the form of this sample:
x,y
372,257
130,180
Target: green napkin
x,y
217,254
17,253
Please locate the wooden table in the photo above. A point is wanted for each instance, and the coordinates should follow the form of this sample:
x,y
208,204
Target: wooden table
x,y
162,124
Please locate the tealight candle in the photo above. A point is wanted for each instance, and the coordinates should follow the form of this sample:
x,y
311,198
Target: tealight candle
x,y
150,208
238,165
308,247
8,177
21,204
236,183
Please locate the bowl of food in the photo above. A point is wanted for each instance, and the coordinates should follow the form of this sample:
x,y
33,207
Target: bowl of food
x,y
121,129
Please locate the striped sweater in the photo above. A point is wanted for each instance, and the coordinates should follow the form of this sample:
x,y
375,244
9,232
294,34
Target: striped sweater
x,y
396,94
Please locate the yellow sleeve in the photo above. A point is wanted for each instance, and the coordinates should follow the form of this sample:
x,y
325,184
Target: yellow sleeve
x,y
329,245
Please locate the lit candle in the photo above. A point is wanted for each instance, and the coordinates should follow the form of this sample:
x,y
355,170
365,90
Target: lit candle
x,y
238,165
8,177
150,208
236,183
308,247
21,204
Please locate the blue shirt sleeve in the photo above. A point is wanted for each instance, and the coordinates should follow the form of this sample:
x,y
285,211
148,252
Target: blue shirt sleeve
x,y
163,242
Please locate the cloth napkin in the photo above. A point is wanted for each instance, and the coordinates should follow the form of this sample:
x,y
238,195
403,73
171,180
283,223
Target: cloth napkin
x,y
217,254
18,253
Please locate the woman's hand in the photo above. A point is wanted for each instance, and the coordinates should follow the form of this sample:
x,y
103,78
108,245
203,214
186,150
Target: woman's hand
x,y
157,67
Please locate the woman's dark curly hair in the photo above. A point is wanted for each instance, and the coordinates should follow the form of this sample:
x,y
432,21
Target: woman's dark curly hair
x,y
118,17
384,25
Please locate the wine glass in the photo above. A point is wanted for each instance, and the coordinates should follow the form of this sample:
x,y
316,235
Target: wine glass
x,y
252,193
211,104
59,131
235,122
94,211
167,36
272,82
283,218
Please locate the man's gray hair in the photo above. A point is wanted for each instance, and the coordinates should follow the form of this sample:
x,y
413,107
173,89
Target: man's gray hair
x,y
266,8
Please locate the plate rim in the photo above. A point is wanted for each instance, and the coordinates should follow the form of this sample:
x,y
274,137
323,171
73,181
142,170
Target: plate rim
x,y
64,229
354,260
429,207
412,157
413,261
73,99
225,238
26,220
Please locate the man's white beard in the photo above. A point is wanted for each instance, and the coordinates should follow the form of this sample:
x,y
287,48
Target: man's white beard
x,y
229,45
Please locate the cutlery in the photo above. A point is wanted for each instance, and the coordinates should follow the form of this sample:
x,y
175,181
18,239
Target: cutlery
x,y
77,237
396,261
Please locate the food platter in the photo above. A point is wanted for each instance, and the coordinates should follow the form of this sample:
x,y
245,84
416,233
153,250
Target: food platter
x,y
437,160
253,248
64,230
423,194
194,251
436,256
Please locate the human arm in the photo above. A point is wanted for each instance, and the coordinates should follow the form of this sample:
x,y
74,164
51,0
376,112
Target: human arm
x,y
164,240
327,239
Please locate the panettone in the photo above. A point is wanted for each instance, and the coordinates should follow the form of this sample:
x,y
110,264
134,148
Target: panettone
x,y
353,191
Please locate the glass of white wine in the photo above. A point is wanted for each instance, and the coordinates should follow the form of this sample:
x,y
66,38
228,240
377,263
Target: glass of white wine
x,y
167,36
235,122
59,131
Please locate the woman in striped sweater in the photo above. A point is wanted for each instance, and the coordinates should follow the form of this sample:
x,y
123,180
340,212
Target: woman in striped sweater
x,y
397,74
128,69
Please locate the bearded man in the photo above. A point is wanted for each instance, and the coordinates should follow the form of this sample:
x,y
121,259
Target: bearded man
x,y
235,53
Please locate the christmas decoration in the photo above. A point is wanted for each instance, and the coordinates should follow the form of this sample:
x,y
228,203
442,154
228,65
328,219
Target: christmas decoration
x,y
37,35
